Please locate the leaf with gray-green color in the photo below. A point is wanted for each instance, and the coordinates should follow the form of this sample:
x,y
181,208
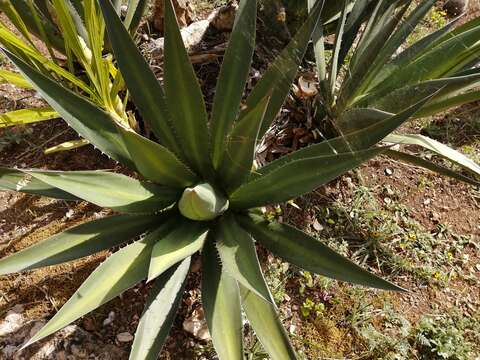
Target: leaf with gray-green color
x,y
186,104
239,257
79,241
118,273
297,177
159,313
156,162
221,303
418,161
17,180
233,76
438,148
240,147
309,253
182,241
114,191
146,91
136,9
87,119
279,77
265,320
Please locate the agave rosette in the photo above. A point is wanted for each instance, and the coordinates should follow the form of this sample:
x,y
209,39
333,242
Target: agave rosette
x,y
197,192
374,73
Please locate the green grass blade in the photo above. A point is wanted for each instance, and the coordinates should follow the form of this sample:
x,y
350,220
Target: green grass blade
x,y
114,191
297,177
156,162
240,147
233,76
438,148
221,303
146,91
309,253
265,320
27,116
184,240
159,313
79,241
87,119
16,180
118,273
239,257
185,96
279,77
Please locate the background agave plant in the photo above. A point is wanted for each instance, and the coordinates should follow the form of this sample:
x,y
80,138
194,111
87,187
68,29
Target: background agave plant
x,y
371,75
197,189
73,32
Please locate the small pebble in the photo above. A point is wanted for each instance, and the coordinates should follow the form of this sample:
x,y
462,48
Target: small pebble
x,y
124,337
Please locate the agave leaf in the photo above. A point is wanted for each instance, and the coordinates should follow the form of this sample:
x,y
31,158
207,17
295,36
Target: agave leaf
x,y
135,11
418,161
156,162
32,56
447,102
185,96
86,118
16,180
118,273
319,46
264,318
221,303
114,191
28,18
14,79
27,116
281,73
146,91
447,58
308,253
371,130
240,147
280,185
66,146
410,54
399,99
398,38
337,46
438,148
79,241
159,313
239,257
353,24
382,26
233,76
182,241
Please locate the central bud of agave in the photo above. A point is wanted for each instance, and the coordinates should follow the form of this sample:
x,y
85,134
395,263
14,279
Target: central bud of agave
x,y
202,203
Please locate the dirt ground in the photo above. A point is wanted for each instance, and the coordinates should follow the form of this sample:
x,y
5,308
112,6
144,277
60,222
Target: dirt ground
x,y
413,227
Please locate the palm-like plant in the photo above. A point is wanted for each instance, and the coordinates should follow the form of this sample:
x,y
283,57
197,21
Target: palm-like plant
x,y
73,32
198,189
371,76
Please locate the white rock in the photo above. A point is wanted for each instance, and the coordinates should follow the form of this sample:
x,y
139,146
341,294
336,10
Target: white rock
x,y
13,321
124,337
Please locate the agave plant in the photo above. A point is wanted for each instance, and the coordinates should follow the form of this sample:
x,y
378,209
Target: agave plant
x,y
74,29
374,75
197,189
